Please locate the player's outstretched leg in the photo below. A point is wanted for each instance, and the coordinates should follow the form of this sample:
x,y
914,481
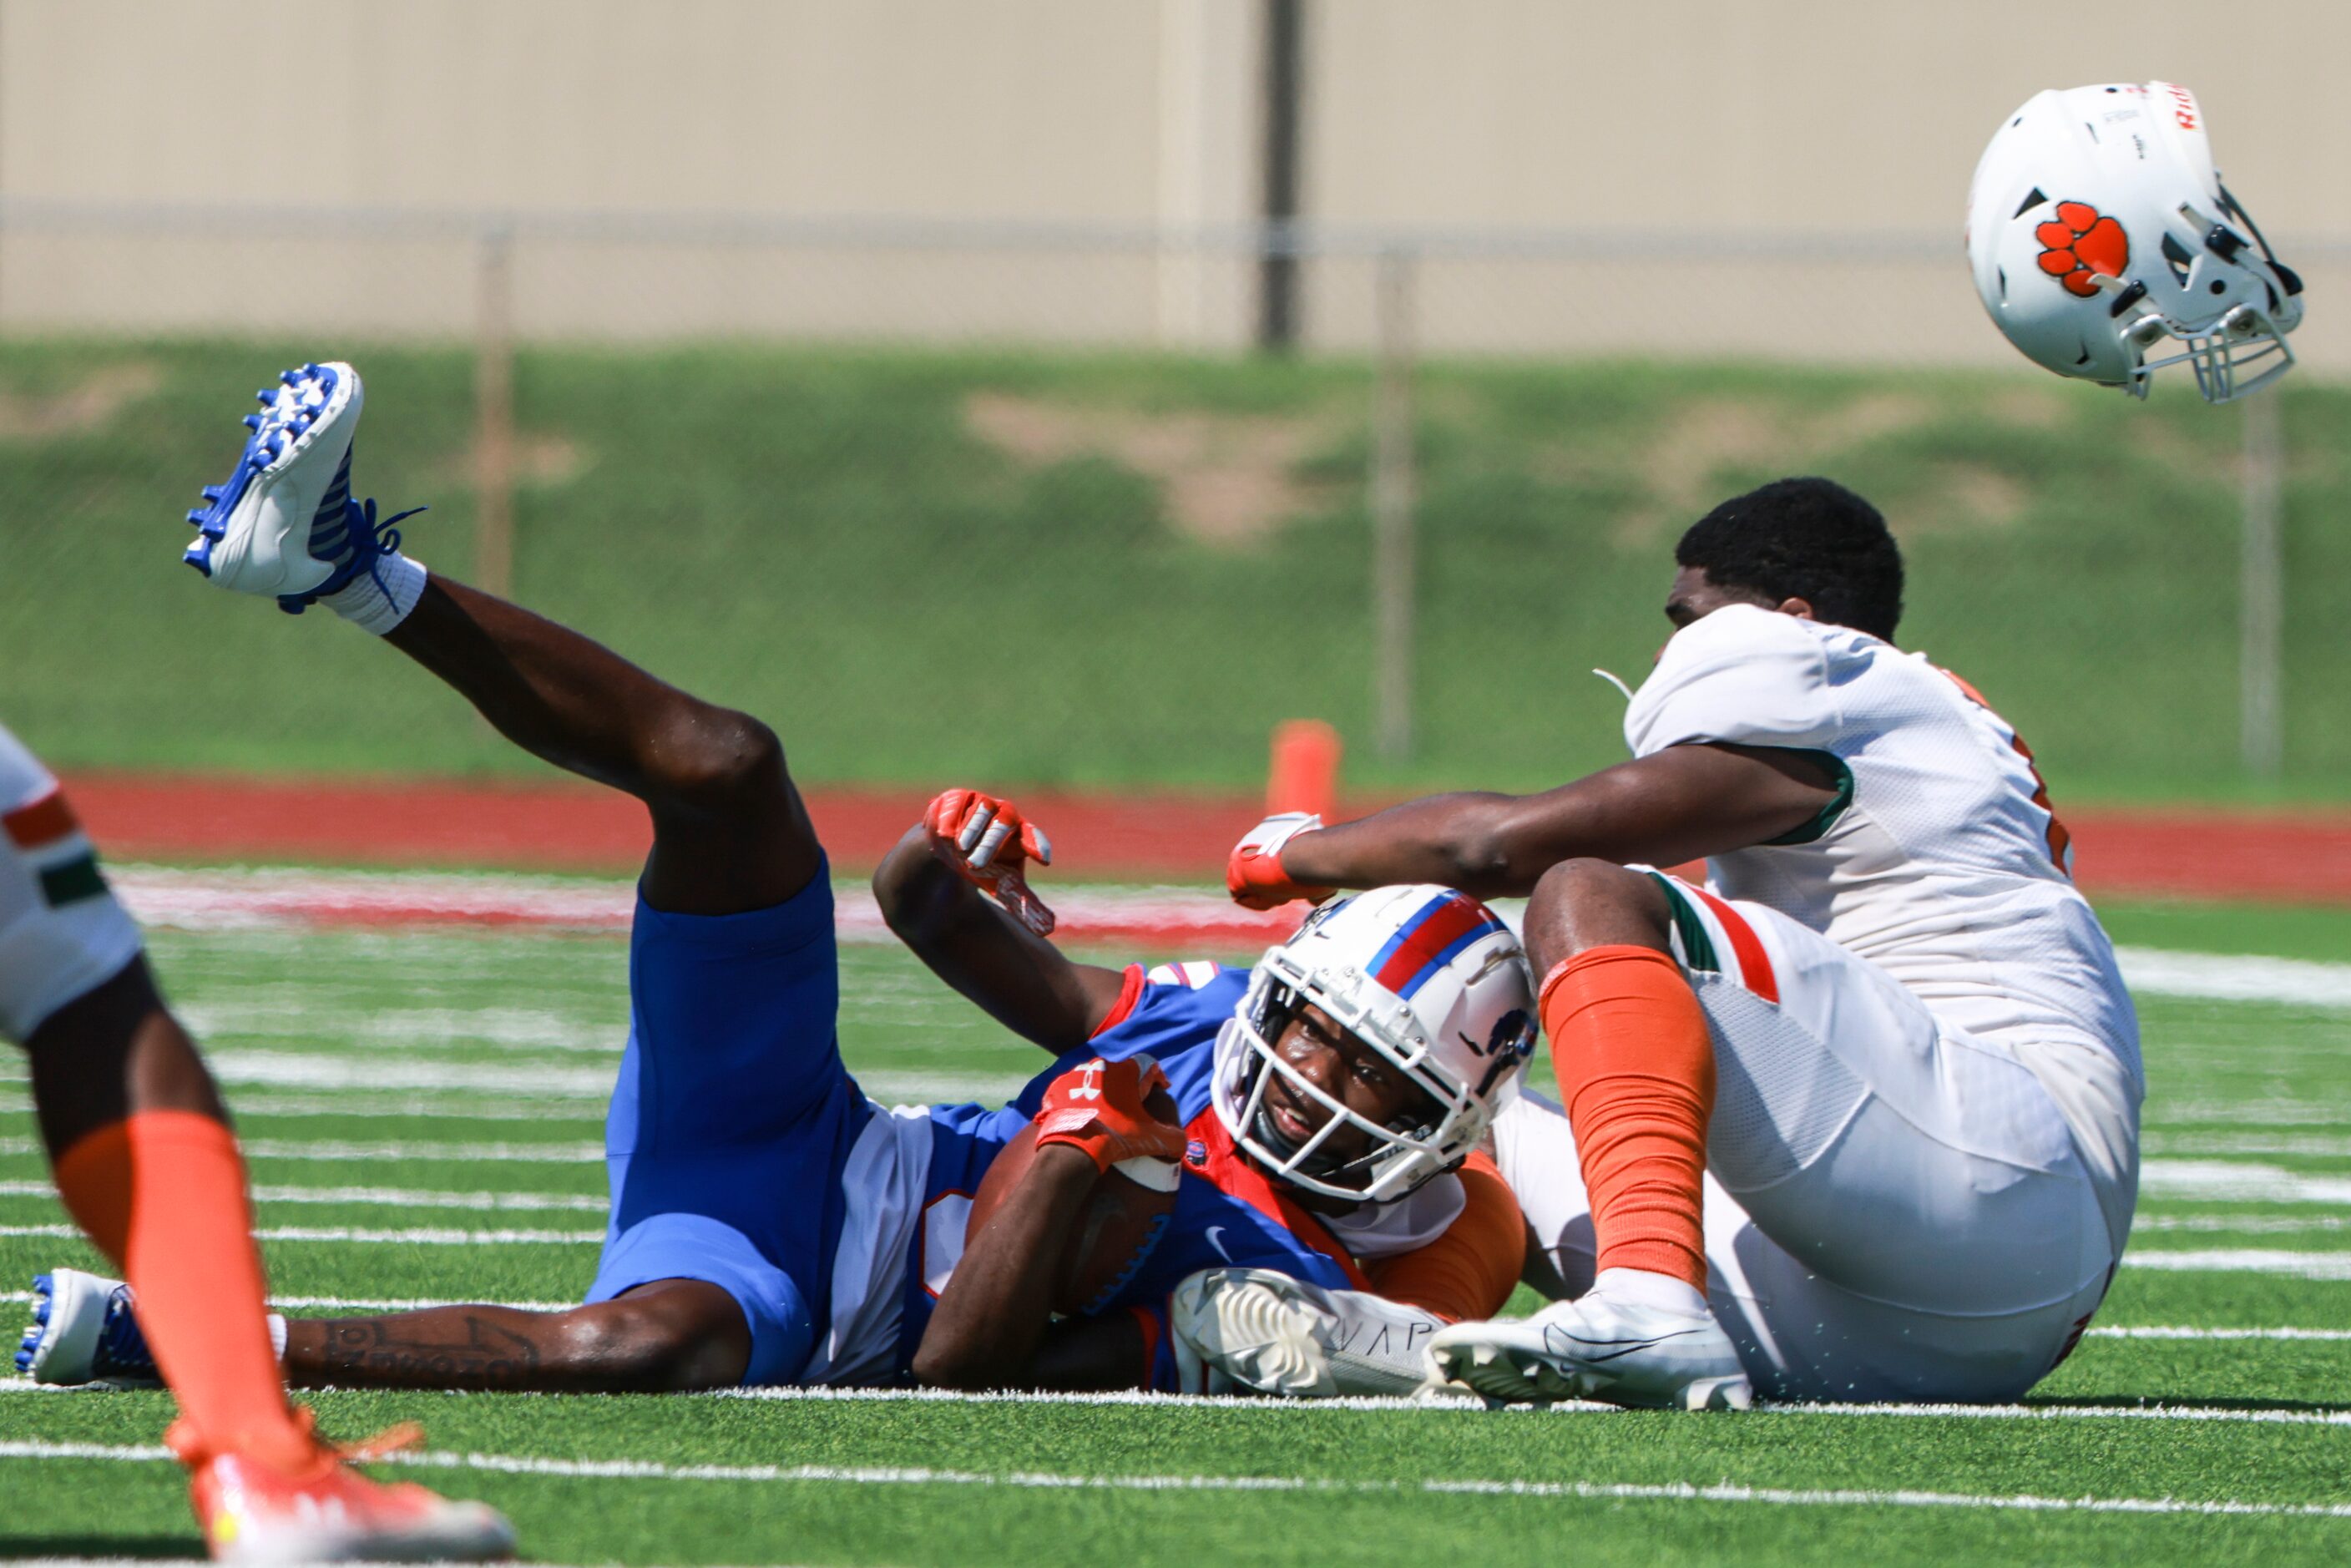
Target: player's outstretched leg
x,y
730,833
1636,1066
145,1162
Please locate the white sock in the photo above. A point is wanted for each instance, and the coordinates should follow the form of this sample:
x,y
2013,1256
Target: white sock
x,y
277,1335
1642,1288
380,598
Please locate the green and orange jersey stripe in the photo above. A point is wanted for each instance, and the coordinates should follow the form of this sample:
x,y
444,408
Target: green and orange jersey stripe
x,y
47,822
1754,962
2060,841
41,822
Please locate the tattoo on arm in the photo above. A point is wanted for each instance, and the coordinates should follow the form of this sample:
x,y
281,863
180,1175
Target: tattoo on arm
x,y
382,1352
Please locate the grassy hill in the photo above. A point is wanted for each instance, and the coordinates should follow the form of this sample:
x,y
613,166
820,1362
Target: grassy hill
x,y
1123,570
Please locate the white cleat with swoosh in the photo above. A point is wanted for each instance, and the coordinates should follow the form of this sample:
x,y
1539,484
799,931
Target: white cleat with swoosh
x,y
1619,1352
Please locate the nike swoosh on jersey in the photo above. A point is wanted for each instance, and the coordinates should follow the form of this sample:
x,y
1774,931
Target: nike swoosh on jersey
x,y
1216,1239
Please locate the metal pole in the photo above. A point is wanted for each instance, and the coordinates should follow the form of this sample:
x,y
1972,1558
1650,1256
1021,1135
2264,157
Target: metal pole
x,y
1285,34
1392,505
493,451
2261,593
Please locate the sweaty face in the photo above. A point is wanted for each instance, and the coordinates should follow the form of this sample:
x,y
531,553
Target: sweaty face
x,y
1348,1071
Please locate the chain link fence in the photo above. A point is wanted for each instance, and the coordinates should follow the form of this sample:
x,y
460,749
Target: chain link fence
x,y
1024,503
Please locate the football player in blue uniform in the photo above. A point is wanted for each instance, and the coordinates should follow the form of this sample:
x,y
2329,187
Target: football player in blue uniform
x,y
769,1223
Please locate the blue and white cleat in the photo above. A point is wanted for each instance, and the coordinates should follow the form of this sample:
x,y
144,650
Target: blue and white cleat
x,y
83,1332
285,524
1619,1352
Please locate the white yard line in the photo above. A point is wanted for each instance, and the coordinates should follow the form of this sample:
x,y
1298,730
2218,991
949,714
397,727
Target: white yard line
x,y
475,1087
1462,1399
1453,1400
2235,977
2245,1260
361,1103
422,1236
2239,1144
2167,1114
2154,1330
396,1196
2245,1224
343,1304
1591,1492
333,1151
2232,1181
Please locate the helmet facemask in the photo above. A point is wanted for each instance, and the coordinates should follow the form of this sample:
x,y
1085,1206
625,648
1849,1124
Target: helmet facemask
x,y
1430,1139
2260,307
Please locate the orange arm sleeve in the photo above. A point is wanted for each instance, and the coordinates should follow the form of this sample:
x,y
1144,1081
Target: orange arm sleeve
x,y
1470,1271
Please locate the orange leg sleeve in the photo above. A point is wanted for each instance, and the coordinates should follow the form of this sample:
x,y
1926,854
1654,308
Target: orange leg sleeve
x,y
164,1192
1636,1069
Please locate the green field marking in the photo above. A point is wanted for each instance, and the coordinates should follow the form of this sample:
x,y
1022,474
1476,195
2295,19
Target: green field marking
x,y
1380,1459
2235,1089
2272,930
2062,552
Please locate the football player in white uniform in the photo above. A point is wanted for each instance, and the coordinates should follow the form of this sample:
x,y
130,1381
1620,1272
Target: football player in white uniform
x,y
1888,1054
145,1162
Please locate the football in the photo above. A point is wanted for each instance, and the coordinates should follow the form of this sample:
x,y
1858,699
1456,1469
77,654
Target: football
x,y
1115,1232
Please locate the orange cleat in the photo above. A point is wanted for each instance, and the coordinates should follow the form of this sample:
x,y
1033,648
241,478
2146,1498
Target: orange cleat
x,y
328,1512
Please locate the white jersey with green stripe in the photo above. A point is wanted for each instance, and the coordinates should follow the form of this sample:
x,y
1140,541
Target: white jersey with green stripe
x,y
1939,861
61,932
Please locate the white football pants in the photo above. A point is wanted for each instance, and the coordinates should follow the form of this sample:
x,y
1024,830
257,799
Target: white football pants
x,y
1895,1210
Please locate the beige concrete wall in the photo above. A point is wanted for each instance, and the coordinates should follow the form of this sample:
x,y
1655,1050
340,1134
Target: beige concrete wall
x,y
1816,117
1125,115
1774,116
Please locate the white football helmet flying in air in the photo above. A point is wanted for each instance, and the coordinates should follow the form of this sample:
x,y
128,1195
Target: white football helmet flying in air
x,y
2097,231
1429,978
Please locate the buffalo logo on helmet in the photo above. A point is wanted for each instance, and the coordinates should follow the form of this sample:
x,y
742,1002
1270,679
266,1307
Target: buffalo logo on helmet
x,y
1512,1042
2079,245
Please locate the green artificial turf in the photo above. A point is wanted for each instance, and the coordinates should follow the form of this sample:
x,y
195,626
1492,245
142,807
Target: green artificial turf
x,y
924,565
336,1048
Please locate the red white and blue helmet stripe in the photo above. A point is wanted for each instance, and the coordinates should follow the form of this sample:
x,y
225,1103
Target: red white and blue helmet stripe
x,y
1431,938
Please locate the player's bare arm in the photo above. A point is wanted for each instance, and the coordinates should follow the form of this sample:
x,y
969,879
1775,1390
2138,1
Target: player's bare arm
x,y
672,1336
1100,1174
1680,805
992,1319
932,899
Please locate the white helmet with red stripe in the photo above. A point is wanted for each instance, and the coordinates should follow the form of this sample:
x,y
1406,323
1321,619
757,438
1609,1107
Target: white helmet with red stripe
x,y
1429,978
2099,234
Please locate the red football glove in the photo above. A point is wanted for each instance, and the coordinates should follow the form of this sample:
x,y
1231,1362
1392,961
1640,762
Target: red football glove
x,y
1254,875
987,839
1099,1107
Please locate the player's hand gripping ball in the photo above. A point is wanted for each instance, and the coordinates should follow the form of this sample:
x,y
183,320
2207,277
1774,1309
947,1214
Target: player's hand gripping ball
x,y
1121,1114
987,840
1253,874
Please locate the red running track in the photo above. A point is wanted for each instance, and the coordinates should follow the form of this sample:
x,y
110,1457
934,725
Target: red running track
x,y
2302,858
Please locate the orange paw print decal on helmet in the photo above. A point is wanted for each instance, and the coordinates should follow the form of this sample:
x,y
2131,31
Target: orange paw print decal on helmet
x,y
2080,245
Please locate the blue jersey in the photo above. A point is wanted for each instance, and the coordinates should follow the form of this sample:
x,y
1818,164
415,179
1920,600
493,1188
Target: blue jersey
x,y
741,1152
1228,1212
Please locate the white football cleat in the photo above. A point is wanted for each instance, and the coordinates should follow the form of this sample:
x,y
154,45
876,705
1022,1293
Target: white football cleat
x,y
255,534
1257,1329
83,1332
1620,1353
